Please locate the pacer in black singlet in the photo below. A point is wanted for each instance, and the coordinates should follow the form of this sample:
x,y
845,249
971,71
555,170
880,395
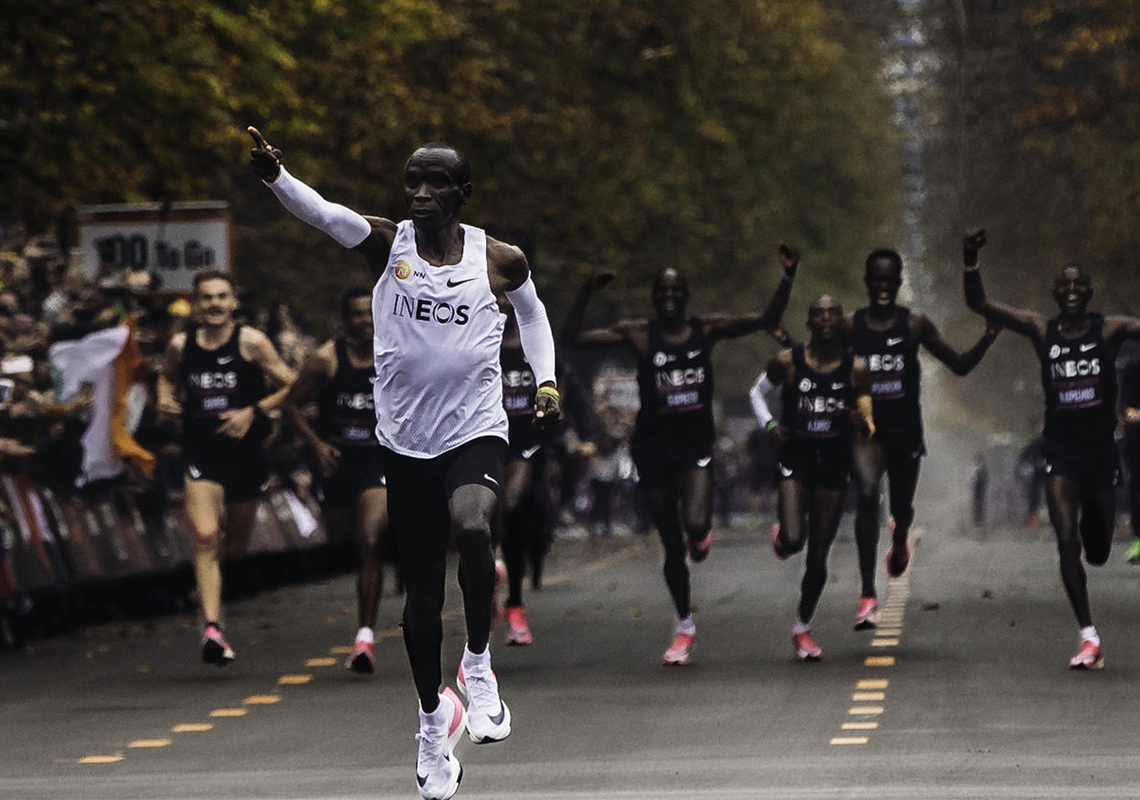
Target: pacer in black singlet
x,y
525,524
1077,351
1129,371
888,337
826,402
214,378
217,381
346,459
673,438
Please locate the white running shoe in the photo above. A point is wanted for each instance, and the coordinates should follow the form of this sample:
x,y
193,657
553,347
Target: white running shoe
x,y
488,718
437,769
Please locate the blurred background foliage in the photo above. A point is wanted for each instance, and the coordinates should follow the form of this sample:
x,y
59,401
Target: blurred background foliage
x,y
626,135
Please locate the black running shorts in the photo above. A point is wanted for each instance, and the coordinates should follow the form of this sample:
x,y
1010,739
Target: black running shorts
x,y
354,475
823,464
240,467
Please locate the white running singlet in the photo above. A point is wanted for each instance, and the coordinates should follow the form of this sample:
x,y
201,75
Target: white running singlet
x,y
438,335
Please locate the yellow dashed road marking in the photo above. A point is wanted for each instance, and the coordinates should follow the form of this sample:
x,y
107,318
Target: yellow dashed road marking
x,y
294,680
320,662
865,697
849,740
262,699
864,711
192,727
140,743
228,712
879,683
859,726
99,759
879,661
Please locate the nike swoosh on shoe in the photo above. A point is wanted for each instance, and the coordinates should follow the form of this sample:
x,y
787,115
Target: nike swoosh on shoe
x,y
498,718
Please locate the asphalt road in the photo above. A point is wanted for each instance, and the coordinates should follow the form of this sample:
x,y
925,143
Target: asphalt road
x,y
970,697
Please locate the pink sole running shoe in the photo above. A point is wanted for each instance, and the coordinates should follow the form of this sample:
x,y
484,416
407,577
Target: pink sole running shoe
x,y
1090,656
215,648
867,614
781,552
363,659
518,632
680,652
438,772
699,548
806,649
898,559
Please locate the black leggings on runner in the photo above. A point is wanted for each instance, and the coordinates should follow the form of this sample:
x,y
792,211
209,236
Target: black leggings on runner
x,y
870,462
694,489
1080,521
424,519
809,516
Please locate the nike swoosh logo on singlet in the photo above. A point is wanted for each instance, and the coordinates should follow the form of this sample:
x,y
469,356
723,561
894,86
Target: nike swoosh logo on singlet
x,y
1086,347
787,473
452,284
704,462
694,353
893,342
225,359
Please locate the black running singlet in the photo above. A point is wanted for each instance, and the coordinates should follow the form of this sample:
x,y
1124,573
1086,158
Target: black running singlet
x,y
675,384
892,358
1079,378
816,405
346,415
215,381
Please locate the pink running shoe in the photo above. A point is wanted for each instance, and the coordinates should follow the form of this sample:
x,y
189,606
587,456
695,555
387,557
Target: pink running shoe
x,y
898,559
438,771
363,659
518,632
699,548
1090,656
867,614
681,651
496,606
779,549
215,648
806,649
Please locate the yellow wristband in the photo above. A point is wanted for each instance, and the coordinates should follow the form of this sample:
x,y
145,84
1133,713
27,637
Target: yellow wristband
x,y
865,405
549,391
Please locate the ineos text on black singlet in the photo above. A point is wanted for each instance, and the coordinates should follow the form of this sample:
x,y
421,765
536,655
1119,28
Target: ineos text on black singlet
x,y
816,404
1079,378
346,414
215,381
892,358
675,384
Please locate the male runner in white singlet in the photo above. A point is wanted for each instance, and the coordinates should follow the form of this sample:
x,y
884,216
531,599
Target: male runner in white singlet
x,y
438,306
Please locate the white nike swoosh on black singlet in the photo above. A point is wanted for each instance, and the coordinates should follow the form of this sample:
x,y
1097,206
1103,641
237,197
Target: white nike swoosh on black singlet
x,y
452,284
893,342
1086,347
225,359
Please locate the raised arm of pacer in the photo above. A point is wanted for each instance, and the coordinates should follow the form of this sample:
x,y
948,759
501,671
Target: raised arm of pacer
x,y
1022,320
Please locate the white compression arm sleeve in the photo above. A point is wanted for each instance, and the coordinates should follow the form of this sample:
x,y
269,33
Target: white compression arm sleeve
x,y
534,331
757,395
303,202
